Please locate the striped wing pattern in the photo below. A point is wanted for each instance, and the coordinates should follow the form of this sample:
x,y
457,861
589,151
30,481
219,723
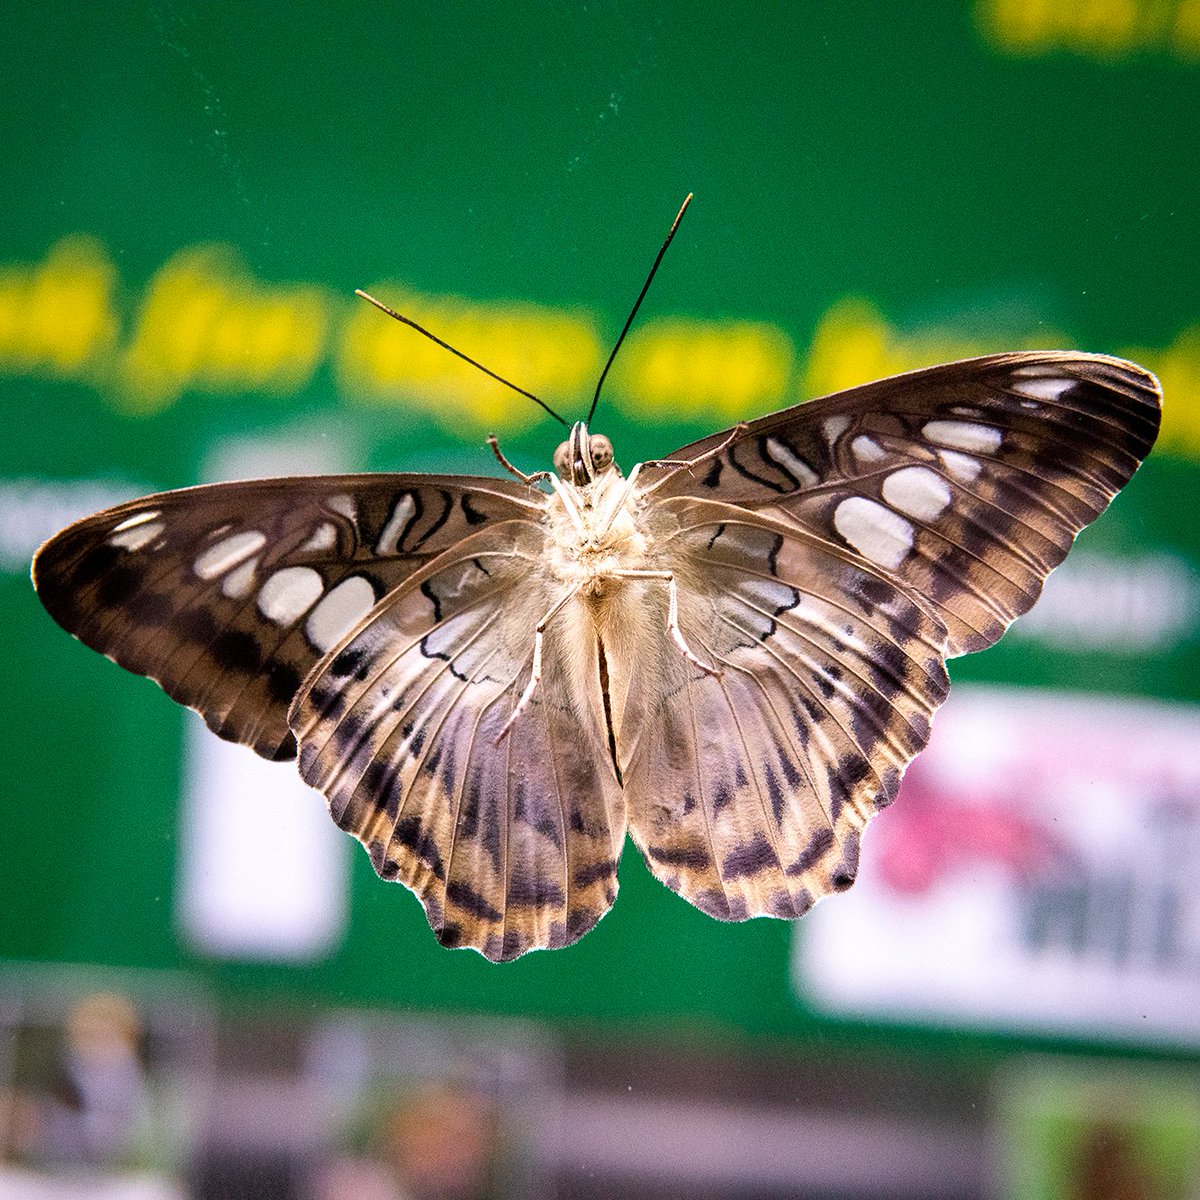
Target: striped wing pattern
x,y
748,790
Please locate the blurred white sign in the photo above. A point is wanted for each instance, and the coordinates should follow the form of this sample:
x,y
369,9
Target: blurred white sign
x,y
264,873
1038,872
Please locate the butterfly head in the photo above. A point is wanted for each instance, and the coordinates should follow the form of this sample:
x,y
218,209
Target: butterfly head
x,y
584,456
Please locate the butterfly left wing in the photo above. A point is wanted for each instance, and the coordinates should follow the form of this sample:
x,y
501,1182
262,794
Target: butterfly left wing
x,y
511,845
966,482
747,790
228,594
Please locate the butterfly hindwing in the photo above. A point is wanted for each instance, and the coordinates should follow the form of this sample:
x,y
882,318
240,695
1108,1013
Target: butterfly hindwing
x,y
968,482
747,790
228,594
511,844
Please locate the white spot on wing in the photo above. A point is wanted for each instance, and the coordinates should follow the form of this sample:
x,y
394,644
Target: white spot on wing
x,y
917,492
768,594
961,466
228,553
240,581
964,435
342,504
867,450
835,426
1048,387
137,519
323,538
792,463
339,612
289,594
134,537
397,525
873,530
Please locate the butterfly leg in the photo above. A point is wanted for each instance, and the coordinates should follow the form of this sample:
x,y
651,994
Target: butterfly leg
x,y
535,673
623,499
688,463
672,616
536,477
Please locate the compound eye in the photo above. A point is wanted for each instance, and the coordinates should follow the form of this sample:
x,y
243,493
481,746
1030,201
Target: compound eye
x,y
562,459
602,452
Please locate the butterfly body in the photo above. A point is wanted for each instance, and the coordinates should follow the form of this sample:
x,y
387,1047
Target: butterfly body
x,y
598,549
732,654
593,532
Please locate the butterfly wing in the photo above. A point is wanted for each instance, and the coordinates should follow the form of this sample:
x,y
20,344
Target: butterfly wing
x,y
512,844
228,594
967,482
747,790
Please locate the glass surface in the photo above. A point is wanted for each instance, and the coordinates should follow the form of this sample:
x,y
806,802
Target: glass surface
x,y
192,195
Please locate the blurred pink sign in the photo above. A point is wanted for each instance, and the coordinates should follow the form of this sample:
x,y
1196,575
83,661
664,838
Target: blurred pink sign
x,y
1038,872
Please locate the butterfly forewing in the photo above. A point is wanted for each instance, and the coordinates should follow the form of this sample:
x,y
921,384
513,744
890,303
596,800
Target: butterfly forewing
x,y
968,482
511,844
748,789
228,594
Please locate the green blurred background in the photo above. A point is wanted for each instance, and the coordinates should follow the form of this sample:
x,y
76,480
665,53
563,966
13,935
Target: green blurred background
x,y
194,191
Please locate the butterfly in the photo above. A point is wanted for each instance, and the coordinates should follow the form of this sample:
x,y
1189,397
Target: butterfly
x,y
731,654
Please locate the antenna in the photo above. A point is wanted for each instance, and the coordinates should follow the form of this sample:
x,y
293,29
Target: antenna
x,y
391,312
638,303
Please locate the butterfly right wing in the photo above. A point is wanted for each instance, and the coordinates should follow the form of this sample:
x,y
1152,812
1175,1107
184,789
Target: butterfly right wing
x,y
748,790
228,594
967,481
511,845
